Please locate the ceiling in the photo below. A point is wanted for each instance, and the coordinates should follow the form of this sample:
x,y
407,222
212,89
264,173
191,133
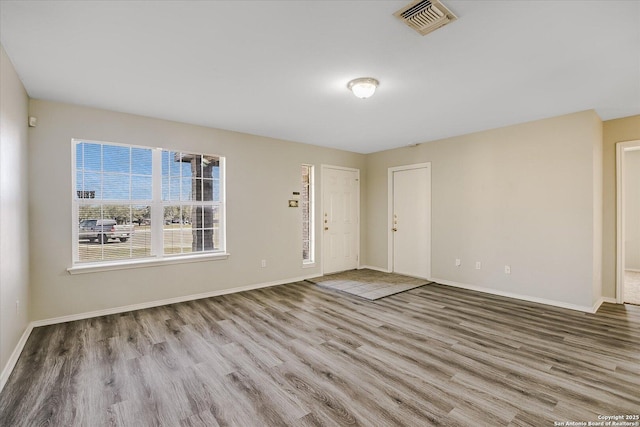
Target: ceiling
x,y
280,68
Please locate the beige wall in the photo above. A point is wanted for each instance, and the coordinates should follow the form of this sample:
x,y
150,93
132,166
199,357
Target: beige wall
x,y
262,173
613,131
486,185
14,250
632,210
527,196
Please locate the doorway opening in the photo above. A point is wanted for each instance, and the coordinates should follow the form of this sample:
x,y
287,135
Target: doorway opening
x,y
628,222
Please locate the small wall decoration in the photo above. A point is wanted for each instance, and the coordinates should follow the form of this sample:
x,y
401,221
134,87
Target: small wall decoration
x,y
293,203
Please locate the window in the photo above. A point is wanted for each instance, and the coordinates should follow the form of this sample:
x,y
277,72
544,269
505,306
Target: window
x,y
306,203
191,202
136,202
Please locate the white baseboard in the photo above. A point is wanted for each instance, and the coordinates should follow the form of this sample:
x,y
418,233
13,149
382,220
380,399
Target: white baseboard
x,y
601,301
561,304
11,363
157,303
597,305
13,359
370,267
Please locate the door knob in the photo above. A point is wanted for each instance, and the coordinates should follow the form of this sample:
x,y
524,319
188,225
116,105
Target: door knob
x,y
394,229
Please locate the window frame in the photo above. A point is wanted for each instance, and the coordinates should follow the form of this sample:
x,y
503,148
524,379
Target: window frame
x,y
156,204
192,203
311,261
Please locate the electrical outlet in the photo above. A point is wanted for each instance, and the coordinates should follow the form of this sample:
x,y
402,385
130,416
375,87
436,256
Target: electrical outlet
x,y
507,269
264,263
458,263
478,265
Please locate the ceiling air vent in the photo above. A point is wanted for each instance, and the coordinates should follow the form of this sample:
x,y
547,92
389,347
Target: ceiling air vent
x,y
425,16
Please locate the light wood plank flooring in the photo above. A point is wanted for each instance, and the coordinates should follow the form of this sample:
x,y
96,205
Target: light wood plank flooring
x,y
302,355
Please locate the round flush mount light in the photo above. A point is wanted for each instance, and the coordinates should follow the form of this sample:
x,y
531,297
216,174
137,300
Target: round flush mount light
x,y
364,87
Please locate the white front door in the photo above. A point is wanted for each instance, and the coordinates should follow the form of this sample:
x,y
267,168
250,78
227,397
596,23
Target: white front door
x,y
410,237
340,218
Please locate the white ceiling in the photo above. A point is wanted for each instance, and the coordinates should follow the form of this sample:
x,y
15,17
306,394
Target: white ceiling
x,y
280,68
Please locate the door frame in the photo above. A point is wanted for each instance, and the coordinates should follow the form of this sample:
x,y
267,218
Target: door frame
x,y
323,169
621,149
390,172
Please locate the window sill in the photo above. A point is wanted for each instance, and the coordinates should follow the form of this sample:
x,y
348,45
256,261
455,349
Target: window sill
x,y
124,265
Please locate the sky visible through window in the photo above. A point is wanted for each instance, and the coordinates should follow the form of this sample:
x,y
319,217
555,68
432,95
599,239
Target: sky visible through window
x,y
114,172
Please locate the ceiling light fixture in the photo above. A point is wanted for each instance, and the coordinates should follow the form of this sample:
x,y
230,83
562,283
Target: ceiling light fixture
x,y
364,87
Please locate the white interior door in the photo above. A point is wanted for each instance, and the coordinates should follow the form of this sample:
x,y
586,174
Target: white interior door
x,y
340,219
410,213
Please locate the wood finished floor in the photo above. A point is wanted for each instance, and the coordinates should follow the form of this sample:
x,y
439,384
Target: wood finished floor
x,y
302,355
